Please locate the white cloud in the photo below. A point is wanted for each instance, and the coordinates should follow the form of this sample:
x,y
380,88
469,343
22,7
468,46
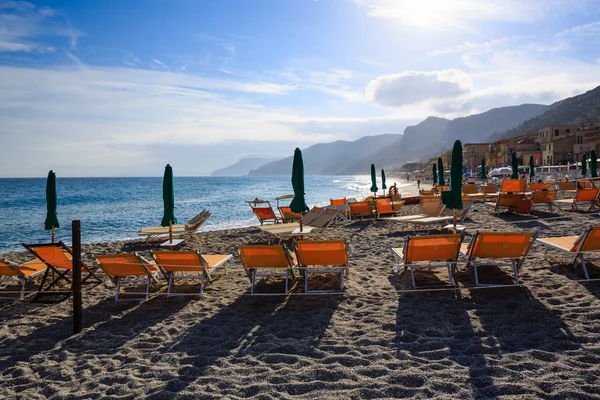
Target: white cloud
x,y
444,14
397,90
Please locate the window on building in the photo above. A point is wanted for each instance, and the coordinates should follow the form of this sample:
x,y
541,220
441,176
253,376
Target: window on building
x,y
556,132
550,146
544,147
568,130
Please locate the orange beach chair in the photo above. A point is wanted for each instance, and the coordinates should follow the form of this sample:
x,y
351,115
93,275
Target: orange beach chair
x,y
265,261
583,196
543,198
263,211
513,186
383,206
118,267
57,257
428,249
19,273
489,191
513,246
190,265
587,242
287,215
360,209
311,253
472,191
566,187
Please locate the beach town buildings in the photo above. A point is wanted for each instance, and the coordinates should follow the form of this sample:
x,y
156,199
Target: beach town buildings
x,y
551,145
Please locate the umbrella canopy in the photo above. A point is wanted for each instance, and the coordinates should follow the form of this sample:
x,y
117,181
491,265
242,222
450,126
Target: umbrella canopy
x,y
298,204
467,174
168,198
584,165
374,187
593,166
383,186
441,171
434,173
514,166
51,200
452,198
483,172
531,168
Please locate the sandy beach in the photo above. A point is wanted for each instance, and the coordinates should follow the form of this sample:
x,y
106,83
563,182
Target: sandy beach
x,y
380,339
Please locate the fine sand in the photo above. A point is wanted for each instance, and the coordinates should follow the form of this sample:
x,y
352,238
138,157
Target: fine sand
x,y
380,339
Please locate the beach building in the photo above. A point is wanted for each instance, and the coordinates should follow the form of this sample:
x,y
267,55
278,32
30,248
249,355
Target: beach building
x,y
527,147
586,140
473,153
557,143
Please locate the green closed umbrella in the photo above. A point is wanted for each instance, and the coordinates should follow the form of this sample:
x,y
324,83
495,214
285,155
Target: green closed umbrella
x,y
584,165
168,201
51,202
593,166
374,187
383,186
483,171
531,169
452,198
298,204
441,172
514,166
434,173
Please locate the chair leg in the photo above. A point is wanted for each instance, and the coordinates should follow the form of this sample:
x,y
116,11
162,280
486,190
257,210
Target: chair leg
x,y
171,279
476,275
449,265
202,284
341,279
252,282
412,277
118,287
516,270
22,289
148,286
585,270
287,278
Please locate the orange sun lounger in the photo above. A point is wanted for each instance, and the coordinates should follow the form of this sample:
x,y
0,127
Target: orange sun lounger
x,y
384,206
57,257
179,229
583,196
266,261
587,242
428,249
263,211
128,265
513,246
489,191
543,198
312,253
360,209
472,191
429,207
513,186
19,273
190,265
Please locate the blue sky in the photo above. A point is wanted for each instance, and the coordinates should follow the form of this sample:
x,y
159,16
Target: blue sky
x,y
120,88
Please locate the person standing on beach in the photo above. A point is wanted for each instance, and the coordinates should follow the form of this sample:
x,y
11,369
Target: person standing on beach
x,y
419,184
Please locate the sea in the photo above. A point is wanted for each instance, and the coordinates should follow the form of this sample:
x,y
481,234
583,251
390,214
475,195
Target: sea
x,y
115,208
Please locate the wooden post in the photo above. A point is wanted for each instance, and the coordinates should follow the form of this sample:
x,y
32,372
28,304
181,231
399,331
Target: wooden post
x,y
52,235
454,220
76,287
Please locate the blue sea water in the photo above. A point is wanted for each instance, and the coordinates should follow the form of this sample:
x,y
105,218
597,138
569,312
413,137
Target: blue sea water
x,y
115,208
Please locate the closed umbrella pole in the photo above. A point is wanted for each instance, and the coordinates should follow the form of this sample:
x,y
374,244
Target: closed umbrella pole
x,y
593,166
531,169
374,187
168,202
383,186
483,171
298,204
584,165
452,198
434,173
441,181
51,221
515,166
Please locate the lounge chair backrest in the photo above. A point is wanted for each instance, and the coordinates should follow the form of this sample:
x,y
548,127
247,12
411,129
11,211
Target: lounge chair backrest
x,y
432,206
534,187
508,200
264,256
424,192
589,241
287,214
384,206
312,214
321,252
118,265
585,195
7,270
171,261
264,213
338,202
544,197
442,188
566,185
470,189
432,248
325,218
52,254
194,223
397,197
360,208
585,184
514,185
501,244
489,188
